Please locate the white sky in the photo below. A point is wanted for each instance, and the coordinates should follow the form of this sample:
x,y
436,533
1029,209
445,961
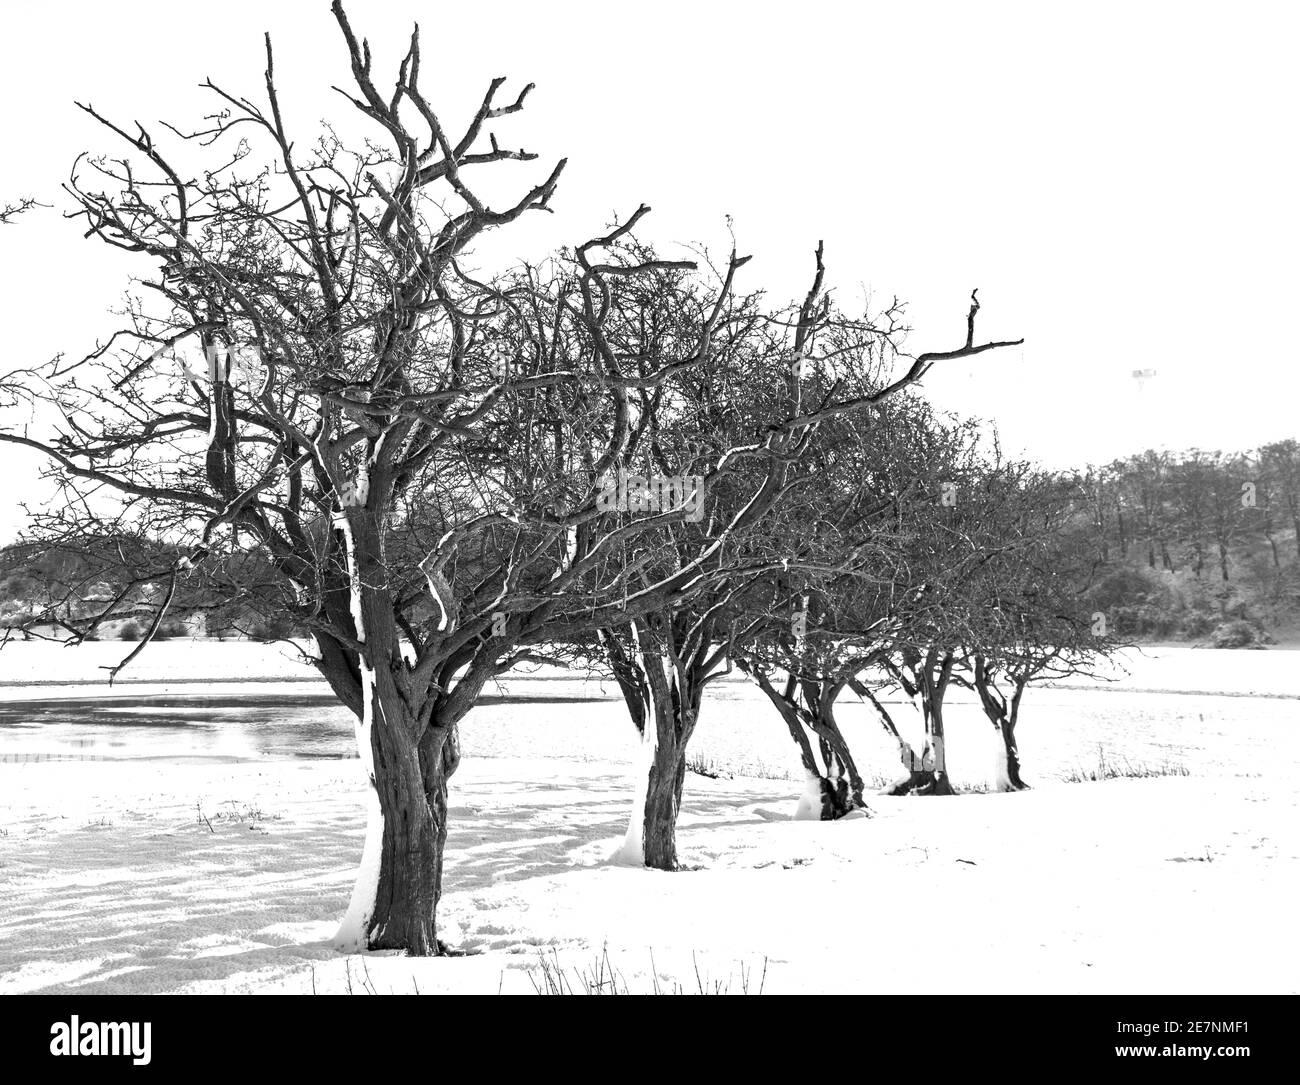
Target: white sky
x,y
1119,180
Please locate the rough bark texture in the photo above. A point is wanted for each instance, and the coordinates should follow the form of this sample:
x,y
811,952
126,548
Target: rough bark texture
x,y
413,756
439,759
673,710
808,707
1008,732
911,762
413,798
930,675
838,798
411,782
663,801
1003,714
934,770
841,783
663,691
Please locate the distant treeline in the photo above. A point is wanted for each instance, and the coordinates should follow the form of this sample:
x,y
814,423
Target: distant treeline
x,y
89,573
1189,541
1195,545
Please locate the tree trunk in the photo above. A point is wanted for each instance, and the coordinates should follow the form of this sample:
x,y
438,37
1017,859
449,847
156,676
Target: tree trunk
x,y
839,787
663,677
408,760
439,760
837,797
652,831
919,778
663,802
834,783
394,904
1003,714
1010,780
928,775
912,762
413,800
934,765
665,710
934,675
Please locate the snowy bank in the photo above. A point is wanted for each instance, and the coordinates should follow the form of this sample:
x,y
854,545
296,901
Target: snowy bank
x,y
233,878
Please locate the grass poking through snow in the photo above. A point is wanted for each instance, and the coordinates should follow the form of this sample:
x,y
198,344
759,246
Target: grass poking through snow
x,y
708,767
1118,767
602,978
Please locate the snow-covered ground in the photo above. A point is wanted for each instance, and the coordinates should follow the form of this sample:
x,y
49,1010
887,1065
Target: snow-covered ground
x,y
204,838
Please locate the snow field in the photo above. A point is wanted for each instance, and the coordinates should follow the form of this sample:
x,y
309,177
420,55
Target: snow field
x,y
232,875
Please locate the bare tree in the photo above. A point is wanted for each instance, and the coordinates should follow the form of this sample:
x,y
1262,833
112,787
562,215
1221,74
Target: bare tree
x,y
1145,478
1030,619
330,271
795,375
950,546
809,634
1280,464
415,456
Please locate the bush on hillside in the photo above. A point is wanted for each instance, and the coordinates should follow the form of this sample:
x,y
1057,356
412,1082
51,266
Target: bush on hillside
x,y
1239,634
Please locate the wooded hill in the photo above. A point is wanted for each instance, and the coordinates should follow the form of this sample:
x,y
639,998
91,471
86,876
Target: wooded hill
x,y
1201,546
41,585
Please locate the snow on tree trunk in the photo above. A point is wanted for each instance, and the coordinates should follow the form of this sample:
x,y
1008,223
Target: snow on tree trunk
x,y
934,762
927,774
1002,713
841,785
395,898
351,936
834,787
410,871
652,829
834,774
633,850
809,806
1008,769
827,798
663,802
912,761
839,799
935,688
